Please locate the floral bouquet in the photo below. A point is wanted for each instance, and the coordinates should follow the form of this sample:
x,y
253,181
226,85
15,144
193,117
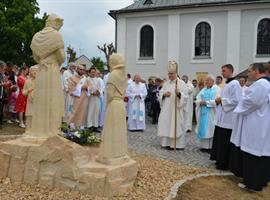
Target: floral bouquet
x,y
79,136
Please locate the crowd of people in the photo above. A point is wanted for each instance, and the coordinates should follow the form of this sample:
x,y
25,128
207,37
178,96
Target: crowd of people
x,y
231,116
13,94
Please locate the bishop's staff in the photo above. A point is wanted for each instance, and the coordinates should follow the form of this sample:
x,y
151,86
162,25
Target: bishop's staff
x,y
175,103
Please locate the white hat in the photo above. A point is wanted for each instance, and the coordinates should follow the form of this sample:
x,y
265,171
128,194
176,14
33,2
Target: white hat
x,y
172,67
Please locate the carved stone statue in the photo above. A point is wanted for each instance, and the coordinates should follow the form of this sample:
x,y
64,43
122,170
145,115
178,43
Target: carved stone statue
x,y
41,157
28,90
48,107
113,148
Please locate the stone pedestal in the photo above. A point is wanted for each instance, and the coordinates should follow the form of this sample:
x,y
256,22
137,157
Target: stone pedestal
x,y
59,163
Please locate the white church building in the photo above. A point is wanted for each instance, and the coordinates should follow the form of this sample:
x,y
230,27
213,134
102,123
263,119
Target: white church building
x,y
201,35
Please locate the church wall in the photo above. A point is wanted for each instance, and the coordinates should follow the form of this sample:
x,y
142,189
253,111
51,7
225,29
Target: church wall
x,y
233,39
157,66
249,23
189,64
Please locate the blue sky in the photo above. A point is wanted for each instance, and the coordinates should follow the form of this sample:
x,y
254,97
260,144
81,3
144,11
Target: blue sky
x,y
86,22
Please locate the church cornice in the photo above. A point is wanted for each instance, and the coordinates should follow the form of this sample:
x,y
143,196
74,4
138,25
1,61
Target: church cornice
x,y
154,7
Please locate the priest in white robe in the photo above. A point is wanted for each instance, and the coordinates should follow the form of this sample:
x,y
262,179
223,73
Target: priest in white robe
x,y
228,101
136,93
205,101
173,98
99,76
188,110
94,101
103,108
78,88
129,81
71,71
252,135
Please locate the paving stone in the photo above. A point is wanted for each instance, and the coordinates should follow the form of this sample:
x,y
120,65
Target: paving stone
x,y
147,142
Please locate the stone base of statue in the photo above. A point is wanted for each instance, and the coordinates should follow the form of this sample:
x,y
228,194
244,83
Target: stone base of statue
x,y
58,163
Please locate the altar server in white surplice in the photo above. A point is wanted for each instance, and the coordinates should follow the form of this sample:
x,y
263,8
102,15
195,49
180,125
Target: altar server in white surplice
x,y
226,103
166,121
94,100
136,93
251,141
205,102
188,111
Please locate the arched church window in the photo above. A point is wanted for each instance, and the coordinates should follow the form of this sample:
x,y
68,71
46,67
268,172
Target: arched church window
x,y
146,42
263,37
203,39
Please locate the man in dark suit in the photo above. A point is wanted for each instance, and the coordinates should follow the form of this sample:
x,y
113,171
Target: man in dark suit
x,y
2,92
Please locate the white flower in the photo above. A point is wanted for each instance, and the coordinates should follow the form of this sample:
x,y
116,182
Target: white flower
x,y
77,134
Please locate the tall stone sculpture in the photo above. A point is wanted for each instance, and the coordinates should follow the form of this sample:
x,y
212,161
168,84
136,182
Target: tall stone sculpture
x,y
48,108
42,157
113,148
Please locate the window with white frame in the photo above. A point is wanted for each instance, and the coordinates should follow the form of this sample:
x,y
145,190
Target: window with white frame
x,y
203,40
147,42
263,37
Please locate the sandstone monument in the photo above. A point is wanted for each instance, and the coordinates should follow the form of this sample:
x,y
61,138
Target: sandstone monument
x,y
114,137
48,51
42,157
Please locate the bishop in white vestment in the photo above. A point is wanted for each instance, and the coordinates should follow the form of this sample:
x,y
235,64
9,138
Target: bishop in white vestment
x,y
173,98
136,93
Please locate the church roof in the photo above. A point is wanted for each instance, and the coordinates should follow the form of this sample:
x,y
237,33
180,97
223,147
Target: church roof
x,y
153,5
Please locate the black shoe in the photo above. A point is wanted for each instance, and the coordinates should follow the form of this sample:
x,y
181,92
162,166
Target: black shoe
x,y
91,129
177,149
97,130
206,150
243,186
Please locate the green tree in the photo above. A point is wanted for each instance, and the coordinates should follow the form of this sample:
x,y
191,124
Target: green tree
x,y
18,23
98,63
108,50
71,54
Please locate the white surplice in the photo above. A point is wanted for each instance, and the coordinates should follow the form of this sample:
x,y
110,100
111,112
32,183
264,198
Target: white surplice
x,y
166,121
136,106
230,96
188,110
243,89
207,140
102,102
129,81
254,110
94,103
68,99
103,107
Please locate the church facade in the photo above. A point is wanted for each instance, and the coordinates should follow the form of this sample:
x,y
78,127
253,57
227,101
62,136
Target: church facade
x,y
201,35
